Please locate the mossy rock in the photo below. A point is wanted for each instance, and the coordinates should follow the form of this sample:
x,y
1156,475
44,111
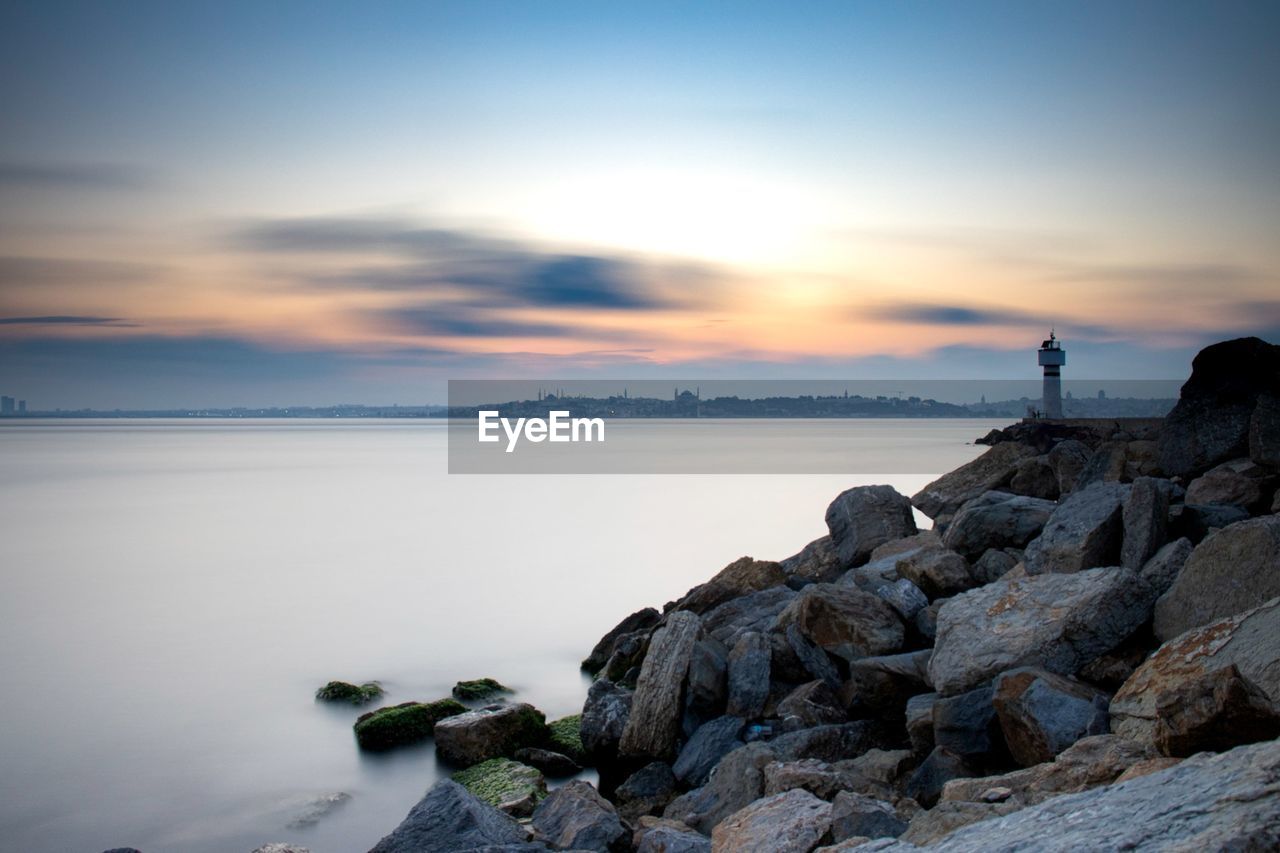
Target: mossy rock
x,y
479,688
565,737
401,724
513,787
342,691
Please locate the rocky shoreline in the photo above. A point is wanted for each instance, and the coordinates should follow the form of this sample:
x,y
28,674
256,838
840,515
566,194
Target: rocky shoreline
x,y
1082,654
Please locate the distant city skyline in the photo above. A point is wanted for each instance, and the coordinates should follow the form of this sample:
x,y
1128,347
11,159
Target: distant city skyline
x,y
248,204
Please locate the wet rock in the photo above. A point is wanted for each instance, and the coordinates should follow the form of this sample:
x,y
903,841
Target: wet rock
x,y
1163,568
740,577
450,818
1196,521
490,732
966,725
865,517
854,814
790,822
1215,712
507,785
996,520
1059,622
1239,482
943,498
653,727
604,718
1067,459
817,562
1085,531
846,622
1035,478
1145,521
645,792
905,597
748,676
811,704
401,724
940,767
702,752
937,571
576,817
1042,713
1232,570
355,694
994,564
640,621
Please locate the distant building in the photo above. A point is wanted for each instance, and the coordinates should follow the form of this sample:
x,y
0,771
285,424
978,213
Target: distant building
x,y
6,405
22,407
1052,357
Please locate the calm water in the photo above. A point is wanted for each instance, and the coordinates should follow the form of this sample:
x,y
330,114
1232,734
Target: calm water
x,y
174,592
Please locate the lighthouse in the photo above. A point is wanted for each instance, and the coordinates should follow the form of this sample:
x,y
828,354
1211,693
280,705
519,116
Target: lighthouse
x,y
1052,357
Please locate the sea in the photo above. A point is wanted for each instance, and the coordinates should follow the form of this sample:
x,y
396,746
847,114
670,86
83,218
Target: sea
x,y
174,591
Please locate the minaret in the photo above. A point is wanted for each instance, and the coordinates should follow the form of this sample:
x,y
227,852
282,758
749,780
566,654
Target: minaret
x,y
1052,357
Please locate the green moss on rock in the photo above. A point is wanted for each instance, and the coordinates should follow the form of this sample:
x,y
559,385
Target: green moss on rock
x,y
509,785
479,688
342,691
565,737
401,724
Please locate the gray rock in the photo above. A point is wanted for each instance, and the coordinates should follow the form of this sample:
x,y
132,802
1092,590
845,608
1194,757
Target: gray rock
x,y
940,767
813,659
927,619
604,718
996,520
937,571
489,732
448,819
919,717
865,517
904,597
829,743
736,781
707,688
755,611
967,725
1208,802
748,666
647,791
1146,521
671,839
641,620
1264,431
854,814
1215,712
1196,521
702,752
943,498
653,726
1035,478
576,817
1105,465
550,763
790,822
273,847
1058,622
846,622
1238,482
1232,570
994,564
946,817
817,562
1085,531
744,575
1041,713
811,704
882,685
1163,568
1067,459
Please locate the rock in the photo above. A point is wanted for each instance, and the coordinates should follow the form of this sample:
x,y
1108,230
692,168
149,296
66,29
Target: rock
x,y
628,655
942,498
905,597
707,685
1250,641
748,668
1085,531
1105,465
660,835
1035,478
711,742
1163,568
489,732
1239,482
737,781
817,562
604,718
1196,521
885,767
1208,802
1215,712
927,619
846,622
641,620
401,724
941,766
1067,459
864,517
653,726
315,809
342,691
812,659
854,814
811,704
882,685
1145,521
550,763
740,577
820,778
1113,669
1142,459
448,819
508,785
1089,762
1042,713
274,847
1264,431
996,520
829,743
946,817
565,736
576,817
1146,767
1231,571
790,822
994,564
755,611
919,716
477,689
906,545
1058,622
937,571
967,726
645,792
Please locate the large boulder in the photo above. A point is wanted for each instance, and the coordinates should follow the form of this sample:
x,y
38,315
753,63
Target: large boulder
x,y
752,612
938,572
811,704
1208,802
1250,641
408,722
859,815
490,732
702,752
653,727
865,517
1196,521
737,781
905,597
450,818
1084,531
749,667
662,835
1145,521
1035,478
576,817
1238,482
1058,622
1215,712
996,520
641,620
966,725
1042,713
940,767
817,562
1163,567
1264,431
843,621
512,787
604,718
645,792
1211,422
707,684
1068,459
1232,570
946,817
790,822
740,577
942,498
994,564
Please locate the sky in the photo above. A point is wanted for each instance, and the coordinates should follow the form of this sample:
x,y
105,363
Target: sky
x,y
311,203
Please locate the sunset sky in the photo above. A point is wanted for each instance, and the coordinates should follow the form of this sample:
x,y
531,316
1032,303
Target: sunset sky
x,y
310,203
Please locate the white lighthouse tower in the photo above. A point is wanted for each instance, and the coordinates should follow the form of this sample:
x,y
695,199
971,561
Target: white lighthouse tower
x,y
1052,357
